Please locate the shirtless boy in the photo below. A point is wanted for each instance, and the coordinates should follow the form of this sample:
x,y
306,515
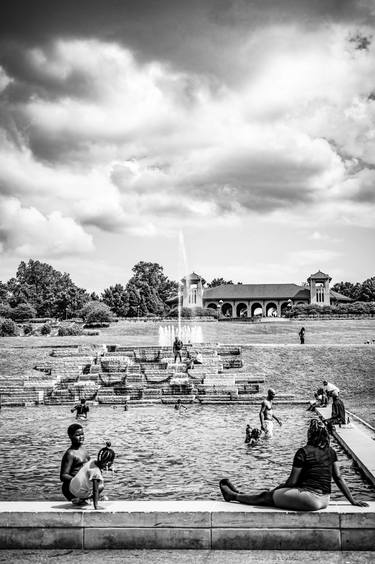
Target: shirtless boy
x,y
266,415
82,409
73,460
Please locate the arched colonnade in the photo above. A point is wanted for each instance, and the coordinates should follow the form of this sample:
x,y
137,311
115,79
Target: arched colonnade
x,y
244,308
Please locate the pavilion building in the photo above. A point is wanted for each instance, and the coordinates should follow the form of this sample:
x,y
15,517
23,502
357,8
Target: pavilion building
x,y
266,300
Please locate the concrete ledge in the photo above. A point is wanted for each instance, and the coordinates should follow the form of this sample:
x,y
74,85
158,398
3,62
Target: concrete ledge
x,y
357,443
184,525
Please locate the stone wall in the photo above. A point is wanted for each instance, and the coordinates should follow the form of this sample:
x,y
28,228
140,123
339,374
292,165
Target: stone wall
x,y
210,525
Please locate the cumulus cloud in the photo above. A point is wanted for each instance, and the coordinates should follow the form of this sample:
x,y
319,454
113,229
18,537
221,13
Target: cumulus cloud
x,y
95,133
27,232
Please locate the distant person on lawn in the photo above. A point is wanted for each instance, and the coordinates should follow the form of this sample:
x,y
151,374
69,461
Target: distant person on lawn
x,y
308,487
267,416
302,336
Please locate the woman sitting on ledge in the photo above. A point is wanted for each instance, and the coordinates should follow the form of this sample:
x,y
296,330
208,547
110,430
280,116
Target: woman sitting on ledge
x,y
308,487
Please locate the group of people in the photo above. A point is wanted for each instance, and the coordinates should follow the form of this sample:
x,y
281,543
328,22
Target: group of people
x,y
307,488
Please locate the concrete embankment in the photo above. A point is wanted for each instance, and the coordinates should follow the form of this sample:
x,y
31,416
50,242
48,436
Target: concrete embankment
x,y
184,525
356,441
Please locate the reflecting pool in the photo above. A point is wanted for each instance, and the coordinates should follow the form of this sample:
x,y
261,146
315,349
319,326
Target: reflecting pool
x,y
161,453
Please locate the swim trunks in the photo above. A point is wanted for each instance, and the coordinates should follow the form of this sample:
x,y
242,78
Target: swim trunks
x,y
268,429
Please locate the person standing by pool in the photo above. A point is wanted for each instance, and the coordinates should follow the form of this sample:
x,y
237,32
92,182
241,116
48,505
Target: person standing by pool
x,y
338,415
330,388
266,414
82,409
177,347
302,335
308,487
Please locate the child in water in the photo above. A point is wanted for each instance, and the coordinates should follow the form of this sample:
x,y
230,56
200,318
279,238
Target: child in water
x,y
78,471
252,435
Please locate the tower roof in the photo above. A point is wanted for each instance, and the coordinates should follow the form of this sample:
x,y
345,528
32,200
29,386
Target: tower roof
x,y
319,276
192,276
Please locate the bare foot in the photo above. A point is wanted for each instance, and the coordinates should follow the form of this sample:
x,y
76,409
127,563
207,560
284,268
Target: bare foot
x,y
226,492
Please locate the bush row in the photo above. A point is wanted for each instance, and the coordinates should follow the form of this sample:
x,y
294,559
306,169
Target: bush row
x,y
187,312
355,308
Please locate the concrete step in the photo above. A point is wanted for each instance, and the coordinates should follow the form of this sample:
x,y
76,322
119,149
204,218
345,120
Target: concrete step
x,y
208,525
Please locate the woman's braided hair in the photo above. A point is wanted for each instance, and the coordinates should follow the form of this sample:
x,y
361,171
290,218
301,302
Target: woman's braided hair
x,y
317,435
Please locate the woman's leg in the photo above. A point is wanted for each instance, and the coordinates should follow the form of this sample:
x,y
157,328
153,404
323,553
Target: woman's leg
x,y
229,494
293,498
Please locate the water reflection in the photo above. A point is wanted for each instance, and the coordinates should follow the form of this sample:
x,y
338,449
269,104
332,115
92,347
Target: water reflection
x,y
161,453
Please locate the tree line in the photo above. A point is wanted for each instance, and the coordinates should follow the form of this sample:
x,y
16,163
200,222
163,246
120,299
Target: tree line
x,y
39,290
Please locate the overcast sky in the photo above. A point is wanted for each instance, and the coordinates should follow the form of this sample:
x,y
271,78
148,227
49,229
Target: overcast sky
x,y
247,126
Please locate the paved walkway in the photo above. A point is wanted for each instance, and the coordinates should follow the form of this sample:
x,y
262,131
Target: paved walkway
x,y
356,441
184,557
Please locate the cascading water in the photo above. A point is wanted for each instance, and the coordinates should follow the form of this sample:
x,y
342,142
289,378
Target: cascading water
x,y
187,334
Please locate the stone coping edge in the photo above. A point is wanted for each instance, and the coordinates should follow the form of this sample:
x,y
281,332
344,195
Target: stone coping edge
x,y
184,525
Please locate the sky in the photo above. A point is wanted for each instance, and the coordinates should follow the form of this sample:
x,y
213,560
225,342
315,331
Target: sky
x,y
232,138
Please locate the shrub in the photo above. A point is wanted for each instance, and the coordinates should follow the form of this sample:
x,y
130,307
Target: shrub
x,y
8,328
27,329
6,311
45,329
96,312
69,331
188,313
23,311
95,325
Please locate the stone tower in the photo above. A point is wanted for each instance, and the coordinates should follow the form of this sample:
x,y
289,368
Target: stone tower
x,y
192,291
319,288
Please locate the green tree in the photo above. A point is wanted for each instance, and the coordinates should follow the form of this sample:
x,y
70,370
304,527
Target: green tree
x,y
23,311
219,282
116,297
50,292
344,288
367,291
148,289
3,292
6,311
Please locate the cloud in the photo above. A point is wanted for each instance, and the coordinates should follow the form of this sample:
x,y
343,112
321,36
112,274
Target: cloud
x,y
309,258
27,232
112,140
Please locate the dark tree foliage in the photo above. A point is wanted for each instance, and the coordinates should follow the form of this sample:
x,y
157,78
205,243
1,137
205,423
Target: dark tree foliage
x,y
219,282
6,311
3,292
116,297
148,290
23,311
364,292
367,292
50,292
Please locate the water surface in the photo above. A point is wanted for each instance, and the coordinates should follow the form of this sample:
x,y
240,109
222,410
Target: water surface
x,y
161,453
